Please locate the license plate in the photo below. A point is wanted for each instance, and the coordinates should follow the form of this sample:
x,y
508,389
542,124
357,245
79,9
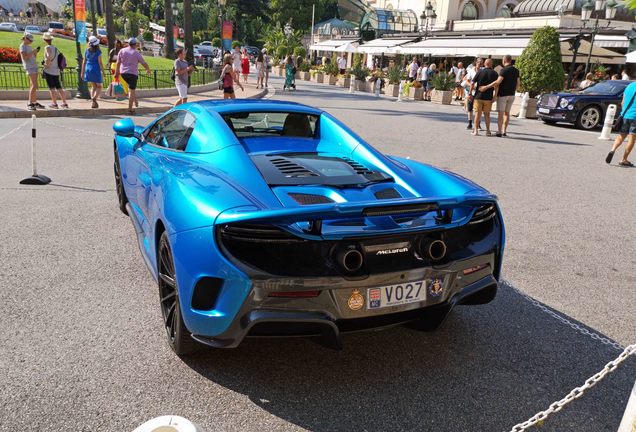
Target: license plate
x,y
544,110
396,295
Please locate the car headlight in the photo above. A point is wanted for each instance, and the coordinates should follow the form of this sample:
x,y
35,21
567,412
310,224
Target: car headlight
x,y
564,103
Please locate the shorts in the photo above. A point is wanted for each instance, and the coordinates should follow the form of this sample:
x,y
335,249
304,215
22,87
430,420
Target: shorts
x,y
182,89
470,102
32,71
343,71
131,80
483,105
424,84
629,127
53,81
504,103
228,90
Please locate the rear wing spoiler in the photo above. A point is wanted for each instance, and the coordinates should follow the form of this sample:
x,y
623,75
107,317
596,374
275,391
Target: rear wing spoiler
x,y
315,214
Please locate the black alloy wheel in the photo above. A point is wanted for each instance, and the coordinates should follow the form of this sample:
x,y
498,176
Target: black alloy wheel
x,y
119,186
179,337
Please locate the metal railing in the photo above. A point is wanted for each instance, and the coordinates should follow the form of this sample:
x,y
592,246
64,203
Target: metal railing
x,y
15,78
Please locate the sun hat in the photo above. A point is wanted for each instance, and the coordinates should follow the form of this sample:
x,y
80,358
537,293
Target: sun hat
x,y
264,50
28,36
132,41
93,41
47,36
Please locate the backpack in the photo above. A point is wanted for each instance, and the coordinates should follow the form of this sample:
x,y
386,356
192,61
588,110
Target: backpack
x,y
61,60
173,74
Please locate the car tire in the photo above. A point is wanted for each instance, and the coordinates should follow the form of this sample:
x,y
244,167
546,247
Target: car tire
x,y
119,186
432,319
550,122
589,118
179,337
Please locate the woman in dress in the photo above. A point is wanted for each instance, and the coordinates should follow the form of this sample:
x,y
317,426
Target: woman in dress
x,y
260,70
229,78
245,65
92,68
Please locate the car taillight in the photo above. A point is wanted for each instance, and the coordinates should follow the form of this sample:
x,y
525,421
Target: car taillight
x,y
295,294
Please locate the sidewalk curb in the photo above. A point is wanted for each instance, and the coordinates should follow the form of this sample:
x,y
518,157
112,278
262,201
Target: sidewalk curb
x,y
89,112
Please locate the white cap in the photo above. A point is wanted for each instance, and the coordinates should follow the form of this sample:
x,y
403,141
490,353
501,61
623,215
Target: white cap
x,y
93,41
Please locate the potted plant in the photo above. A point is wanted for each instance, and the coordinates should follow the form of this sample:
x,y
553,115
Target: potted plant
x,y
394,75
330,71
375,77
416,91
317,75
344,80
540,68
360,74
303,71
443,85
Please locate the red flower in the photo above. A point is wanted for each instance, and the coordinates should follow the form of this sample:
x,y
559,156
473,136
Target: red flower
x,y
9,55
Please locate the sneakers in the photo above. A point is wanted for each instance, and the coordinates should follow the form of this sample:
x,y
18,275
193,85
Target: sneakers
x,y
31,107
39,105
470,125
94,104
609,157
53,105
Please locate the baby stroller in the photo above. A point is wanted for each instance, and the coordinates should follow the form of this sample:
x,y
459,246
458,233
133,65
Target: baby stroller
x,y
290,77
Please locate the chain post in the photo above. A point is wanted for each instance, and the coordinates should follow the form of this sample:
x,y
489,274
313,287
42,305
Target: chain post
x,y
154,74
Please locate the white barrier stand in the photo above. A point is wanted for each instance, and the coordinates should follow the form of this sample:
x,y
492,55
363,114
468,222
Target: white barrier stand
x,y
524,106
378,84
628,424
168,423
609,123
352,84
400,90
35,179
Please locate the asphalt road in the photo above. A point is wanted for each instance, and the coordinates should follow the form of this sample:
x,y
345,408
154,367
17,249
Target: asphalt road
x,y
84,347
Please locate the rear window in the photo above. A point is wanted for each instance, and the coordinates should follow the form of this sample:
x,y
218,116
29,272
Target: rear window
x,y
56,25
271,124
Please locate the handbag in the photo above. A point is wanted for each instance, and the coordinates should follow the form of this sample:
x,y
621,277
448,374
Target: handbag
x,y
118,91
618,124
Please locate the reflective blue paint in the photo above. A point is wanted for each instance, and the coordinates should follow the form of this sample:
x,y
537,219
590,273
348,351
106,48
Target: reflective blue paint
x,y
214,182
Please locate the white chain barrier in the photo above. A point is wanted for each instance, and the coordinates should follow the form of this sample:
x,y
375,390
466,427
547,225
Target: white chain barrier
x,y
564,320
577,392
84,131
590,382
14,130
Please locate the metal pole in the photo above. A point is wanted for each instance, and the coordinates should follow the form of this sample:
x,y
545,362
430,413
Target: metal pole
x,y
82,87
589,55
33,136
313,12
577,42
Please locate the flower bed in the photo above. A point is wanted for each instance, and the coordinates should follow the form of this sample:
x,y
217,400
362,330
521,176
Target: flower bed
x,y
9,55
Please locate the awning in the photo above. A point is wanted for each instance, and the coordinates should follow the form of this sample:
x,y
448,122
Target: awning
x,y
631,57
379,46
611,41
348,48
489,47
328,45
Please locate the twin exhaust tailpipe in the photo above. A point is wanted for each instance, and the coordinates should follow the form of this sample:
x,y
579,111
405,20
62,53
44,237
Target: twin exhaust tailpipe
x,y
350,259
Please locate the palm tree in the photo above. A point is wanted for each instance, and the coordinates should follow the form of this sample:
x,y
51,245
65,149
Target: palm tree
x,y
169,39
110,23
187,28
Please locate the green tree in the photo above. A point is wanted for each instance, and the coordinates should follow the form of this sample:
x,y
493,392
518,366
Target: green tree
x,y
540,64
298,12
199,18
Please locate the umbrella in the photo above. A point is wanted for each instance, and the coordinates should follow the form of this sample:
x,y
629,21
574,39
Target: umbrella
x,y
347,47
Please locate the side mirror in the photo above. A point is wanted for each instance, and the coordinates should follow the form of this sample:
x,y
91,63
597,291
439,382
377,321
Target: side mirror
x,y
125,128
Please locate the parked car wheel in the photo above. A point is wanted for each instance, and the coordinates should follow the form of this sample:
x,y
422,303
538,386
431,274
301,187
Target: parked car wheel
x,y
589,118
119,186
179,337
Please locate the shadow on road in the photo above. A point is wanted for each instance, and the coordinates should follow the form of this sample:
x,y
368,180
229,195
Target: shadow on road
x,y
487,369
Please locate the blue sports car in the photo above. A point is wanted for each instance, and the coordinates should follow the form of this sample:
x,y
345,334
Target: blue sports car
x,y
265,218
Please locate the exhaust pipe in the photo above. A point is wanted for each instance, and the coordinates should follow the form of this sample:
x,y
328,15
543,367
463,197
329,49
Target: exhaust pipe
x,y
350,260
434,250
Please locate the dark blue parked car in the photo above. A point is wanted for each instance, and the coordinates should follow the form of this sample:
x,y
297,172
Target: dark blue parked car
x,y
585,109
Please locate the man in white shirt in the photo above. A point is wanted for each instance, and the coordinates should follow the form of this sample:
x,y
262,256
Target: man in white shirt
x,y
342,63
624,75
413,69
468,79
459,76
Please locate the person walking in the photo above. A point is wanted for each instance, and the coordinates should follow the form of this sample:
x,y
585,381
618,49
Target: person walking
x,y
469,93
52,72
624,75
413,70
182,73
459,91
628,128
268,65
245,65
128,61
92,69
229,77
112,62
483,99
236,60
431,71
260,70
28,56
342,63
506,86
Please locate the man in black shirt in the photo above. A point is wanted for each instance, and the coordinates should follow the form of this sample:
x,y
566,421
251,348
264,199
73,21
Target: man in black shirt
x,y
483,99
507,84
